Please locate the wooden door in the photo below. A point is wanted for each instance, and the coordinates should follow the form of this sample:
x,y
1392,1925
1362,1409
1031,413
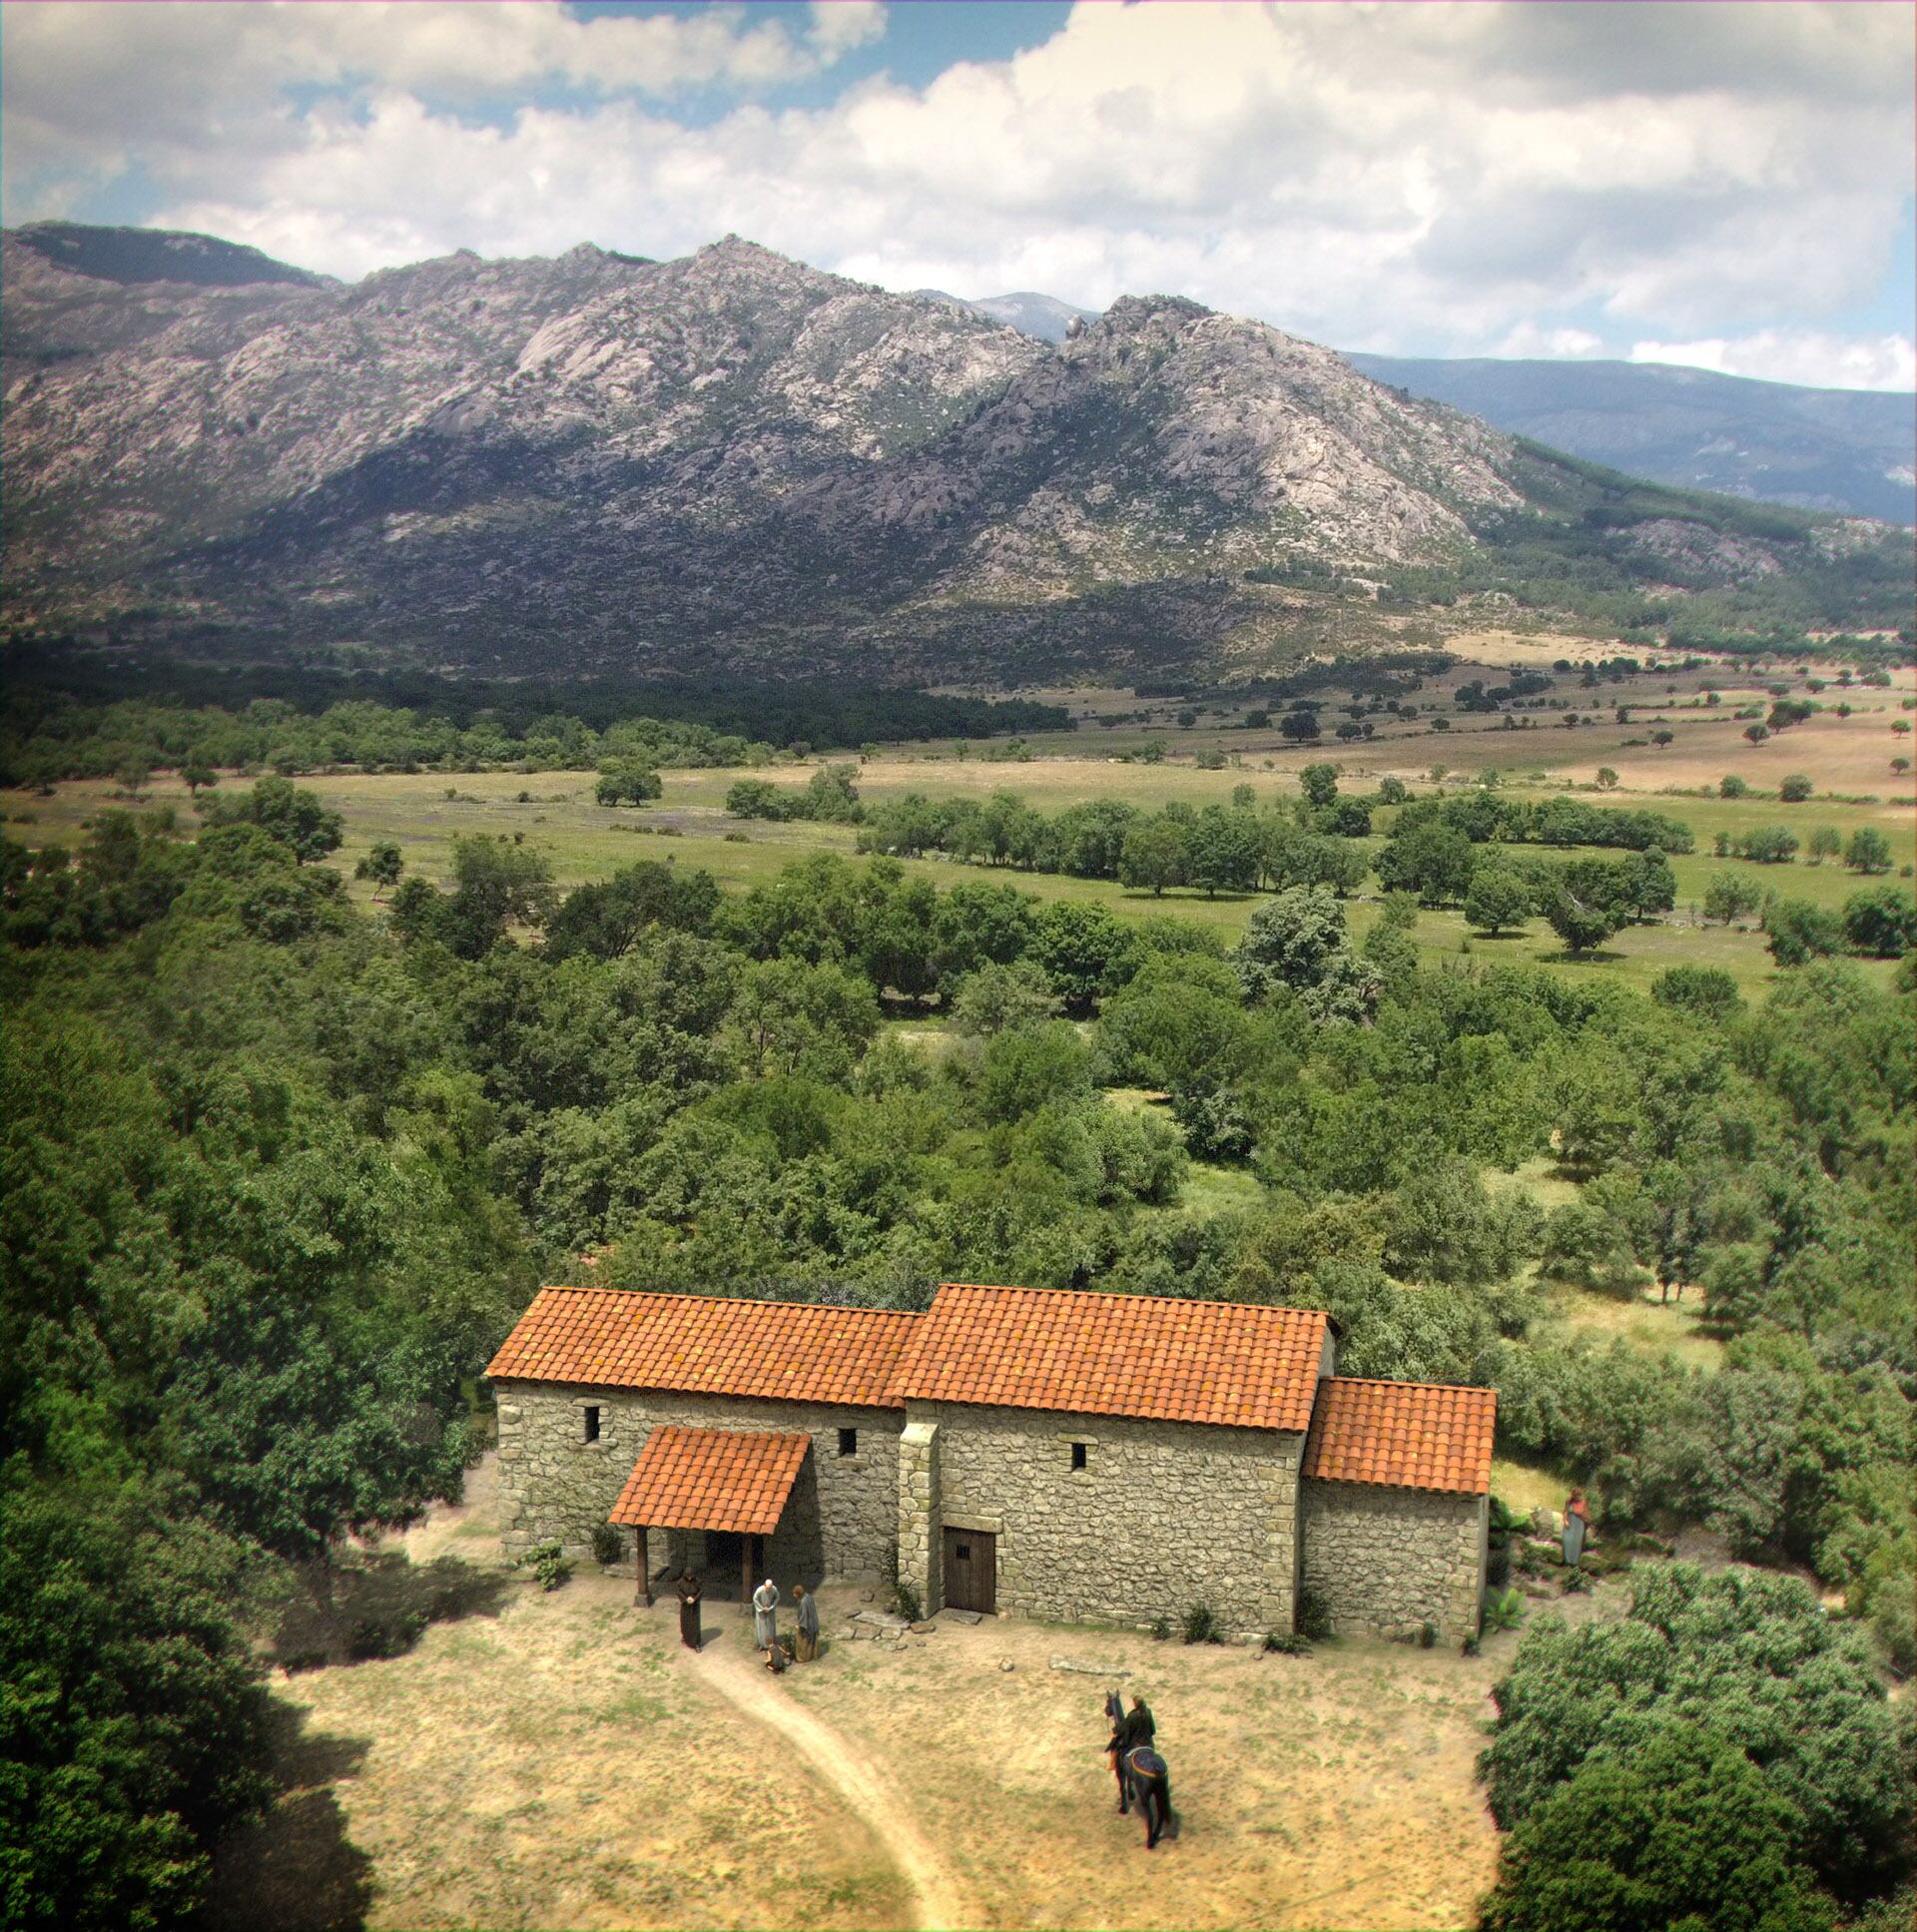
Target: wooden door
x,y
971,1571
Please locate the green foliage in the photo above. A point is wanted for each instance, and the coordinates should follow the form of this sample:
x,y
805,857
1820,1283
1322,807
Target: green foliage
x,y
133,1729
1799,932
1505,1609
608,1546
81,718
1498,899
550,1565
1709,991
1313,1616
1880,924
1200,1626
627,781
1751,1660
1683,1831
1868,851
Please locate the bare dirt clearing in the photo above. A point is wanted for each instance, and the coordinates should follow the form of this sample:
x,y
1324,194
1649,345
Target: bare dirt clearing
x,y
560,1760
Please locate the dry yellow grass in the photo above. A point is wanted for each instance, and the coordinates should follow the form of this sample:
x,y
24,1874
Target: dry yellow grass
x,y
562,1762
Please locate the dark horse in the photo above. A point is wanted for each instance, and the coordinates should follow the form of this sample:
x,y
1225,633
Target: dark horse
x,y
1142,1774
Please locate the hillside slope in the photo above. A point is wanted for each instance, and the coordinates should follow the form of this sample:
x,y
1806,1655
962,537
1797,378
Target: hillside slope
x,y
735,463
1849,451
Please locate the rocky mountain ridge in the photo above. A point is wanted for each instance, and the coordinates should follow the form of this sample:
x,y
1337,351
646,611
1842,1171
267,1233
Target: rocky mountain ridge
x,y
729,462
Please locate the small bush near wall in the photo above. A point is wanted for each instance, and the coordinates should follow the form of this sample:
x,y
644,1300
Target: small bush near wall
x,y
1314,1615
1201,1625
608,1546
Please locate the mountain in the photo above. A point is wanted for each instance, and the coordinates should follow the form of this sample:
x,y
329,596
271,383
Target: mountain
x,y
1849,451
1044,317
72,290
733,464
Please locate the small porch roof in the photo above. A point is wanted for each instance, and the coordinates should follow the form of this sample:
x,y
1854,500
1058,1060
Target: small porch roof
x,y
711,1478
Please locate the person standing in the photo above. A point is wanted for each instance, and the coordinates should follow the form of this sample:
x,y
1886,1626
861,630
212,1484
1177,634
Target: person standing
x,y
806,1611
765,1626
688,1587
1577,1521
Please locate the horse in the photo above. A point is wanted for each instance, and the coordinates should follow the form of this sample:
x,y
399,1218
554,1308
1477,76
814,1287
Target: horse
x,y
1150,1779
1142,1774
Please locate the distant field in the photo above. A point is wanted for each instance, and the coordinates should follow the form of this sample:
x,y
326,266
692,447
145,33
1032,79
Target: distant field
x,y
588,842
554,811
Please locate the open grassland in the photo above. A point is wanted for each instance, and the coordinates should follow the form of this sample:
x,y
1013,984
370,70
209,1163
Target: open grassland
x,y
554,812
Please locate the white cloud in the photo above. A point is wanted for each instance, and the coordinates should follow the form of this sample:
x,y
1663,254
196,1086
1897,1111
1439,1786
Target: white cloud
x,y
1529,339
1454,177
1820,361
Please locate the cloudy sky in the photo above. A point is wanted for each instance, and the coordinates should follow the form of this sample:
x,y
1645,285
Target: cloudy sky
x,y
1724,185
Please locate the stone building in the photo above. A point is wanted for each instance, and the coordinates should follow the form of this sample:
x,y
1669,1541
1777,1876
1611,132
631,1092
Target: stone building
x,y
1046,1453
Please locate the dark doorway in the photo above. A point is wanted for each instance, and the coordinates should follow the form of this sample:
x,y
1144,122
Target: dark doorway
x,y
725,1553
971,1571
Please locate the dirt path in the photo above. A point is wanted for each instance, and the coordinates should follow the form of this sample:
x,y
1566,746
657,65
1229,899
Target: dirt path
x,y
742,1681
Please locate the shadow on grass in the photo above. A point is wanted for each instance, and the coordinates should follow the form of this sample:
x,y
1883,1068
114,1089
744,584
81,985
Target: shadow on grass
x,y
376,1604
296,1870
1598,956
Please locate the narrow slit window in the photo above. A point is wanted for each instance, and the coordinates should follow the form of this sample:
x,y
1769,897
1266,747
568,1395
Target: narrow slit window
x,y
848,1442
1077,1454
589,1423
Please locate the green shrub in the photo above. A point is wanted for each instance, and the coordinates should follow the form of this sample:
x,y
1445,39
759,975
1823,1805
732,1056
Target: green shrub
x,y
1505,1609
1289,1644
1682,1832
1160,1630
1428,1635
608,1546
907,1598
1201,1625
549,1563
1314,1615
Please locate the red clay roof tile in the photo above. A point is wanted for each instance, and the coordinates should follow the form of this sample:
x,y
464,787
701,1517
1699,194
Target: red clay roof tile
x,y
1409,1435
698,1345
711,1478
1117,1354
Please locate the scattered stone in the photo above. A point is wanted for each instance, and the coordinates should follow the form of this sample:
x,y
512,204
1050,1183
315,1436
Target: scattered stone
x,y
881,1621
1083,1668
923,1630
1005,1664
864,1597
962,1617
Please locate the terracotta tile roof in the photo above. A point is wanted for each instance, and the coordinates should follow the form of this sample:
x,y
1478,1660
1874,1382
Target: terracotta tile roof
x,y
711,1478
696,1345
1117,1354
1411,1435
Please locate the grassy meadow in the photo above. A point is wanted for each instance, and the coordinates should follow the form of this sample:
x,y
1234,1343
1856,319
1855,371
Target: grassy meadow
x,y
1847,760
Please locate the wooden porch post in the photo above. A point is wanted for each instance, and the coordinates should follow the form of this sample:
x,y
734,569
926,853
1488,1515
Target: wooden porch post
x,y
643,1594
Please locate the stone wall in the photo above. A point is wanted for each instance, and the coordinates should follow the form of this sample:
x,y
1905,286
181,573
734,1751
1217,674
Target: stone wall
x,y
1163,1515
840,1520
1389,1560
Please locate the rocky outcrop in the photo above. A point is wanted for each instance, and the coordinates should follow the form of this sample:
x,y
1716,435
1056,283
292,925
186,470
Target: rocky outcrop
x,y
730,463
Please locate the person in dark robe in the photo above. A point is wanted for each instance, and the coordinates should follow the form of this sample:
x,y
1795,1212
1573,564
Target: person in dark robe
x,y
1577,1521
805,1613
688,1588
1135,1728
1140,1723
